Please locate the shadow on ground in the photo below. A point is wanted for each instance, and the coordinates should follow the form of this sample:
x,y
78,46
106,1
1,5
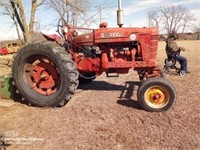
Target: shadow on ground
x,y
126,91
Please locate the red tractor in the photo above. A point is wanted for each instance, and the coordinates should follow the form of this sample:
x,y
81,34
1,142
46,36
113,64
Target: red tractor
x,y
47,73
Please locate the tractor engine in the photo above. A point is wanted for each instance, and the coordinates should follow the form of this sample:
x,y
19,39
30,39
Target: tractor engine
x,y
119,53
116,50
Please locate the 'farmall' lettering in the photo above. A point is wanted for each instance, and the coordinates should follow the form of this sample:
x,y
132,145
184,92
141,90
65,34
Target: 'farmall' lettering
x,y
114,34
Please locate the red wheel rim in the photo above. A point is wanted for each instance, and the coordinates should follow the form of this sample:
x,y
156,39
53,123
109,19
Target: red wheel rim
x,y
42,75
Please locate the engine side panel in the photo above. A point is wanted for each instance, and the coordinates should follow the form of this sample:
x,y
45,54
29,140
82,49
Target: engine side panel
x,y
109,35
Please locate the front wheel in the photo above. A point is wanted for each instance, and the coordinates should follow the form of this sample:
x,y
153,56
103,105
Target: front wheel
x,y
156,94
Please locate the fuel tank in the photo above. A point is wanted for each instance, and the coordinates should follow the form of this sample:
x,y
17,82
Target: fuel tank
x,y
84,39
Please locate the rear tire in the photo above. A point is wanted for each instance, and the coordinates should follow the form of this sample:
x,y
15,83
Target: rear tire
x,y
156,94
45,74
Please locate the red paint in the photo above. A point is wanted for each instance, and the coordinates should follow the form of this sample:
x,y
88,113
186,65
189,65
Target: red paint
x,y
3,51
120,50
43,77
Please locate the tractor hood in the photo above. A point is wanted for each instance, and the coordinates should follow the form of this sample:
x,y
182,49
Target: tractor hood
x,y
112,35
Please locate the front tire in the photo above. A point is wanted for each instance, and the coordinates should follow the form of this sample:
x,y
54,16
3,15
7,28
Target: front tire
x,y
156,94
45,74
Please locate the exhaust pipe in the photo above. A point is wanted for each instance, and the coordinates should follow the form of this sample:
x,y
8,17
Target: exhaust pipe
x,y
120,14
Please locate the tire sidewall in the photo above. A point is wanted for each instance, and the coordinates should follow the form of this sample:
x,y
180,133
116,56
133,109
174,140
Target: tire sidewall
x,y
24,87
157,81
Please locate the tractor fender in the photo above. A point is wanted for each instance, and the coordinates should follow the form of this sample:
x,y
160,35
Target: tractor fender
x,y
53,37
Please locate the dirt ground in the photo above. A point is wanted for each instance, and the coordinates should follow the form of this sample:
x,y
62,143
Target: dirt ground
x,y
105,115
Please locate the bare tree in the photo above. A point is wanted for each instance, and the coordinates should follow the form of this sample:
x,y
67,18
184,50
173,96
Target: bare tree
x,y
187,19
172,18
60,7
15,9
69,10
153,18
95,16
7,10
77,11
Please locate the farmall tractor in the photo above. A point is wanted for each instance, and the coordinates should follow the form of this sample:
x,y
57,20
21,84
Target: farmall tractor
x,y
47,73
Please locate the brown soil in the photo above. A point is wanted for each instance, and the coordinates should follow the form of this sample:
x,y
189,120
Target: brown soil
x,y
105,115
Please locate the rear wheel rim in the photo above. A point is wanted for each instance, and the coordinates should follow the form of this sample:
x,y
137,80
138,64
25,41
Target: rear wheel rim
x,y
41,74
156,97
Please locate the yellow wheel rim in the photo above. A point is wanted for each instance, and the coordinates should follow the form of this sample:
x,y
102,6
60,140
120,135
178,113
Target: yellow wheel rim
x,y
156,97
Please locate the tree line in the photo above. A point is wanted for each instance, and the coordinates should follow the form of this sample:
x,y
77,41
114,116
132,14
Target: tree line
x,y
73,11
171,18
167,18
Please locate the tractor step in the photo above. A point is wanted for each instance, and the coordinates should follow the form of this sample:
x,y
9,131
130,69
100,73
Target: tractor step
x,y
109,74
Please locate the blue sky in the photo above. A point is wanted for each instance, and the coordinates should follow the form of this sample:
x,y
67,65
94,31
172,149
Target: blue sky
x,y
135,14
135,11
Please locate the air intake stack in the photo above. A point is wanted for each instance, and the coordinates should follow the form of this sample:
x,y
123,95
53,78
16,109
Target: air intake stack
x,y
120,15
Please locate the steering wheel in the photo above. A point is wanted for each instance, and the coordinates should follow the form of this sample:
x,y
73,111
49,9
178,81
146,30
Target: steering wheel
x,y
61,24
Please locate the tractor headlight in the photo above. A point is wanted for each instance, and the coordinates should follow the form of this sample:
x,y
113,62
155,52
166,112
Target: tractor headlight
x,y
132,37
